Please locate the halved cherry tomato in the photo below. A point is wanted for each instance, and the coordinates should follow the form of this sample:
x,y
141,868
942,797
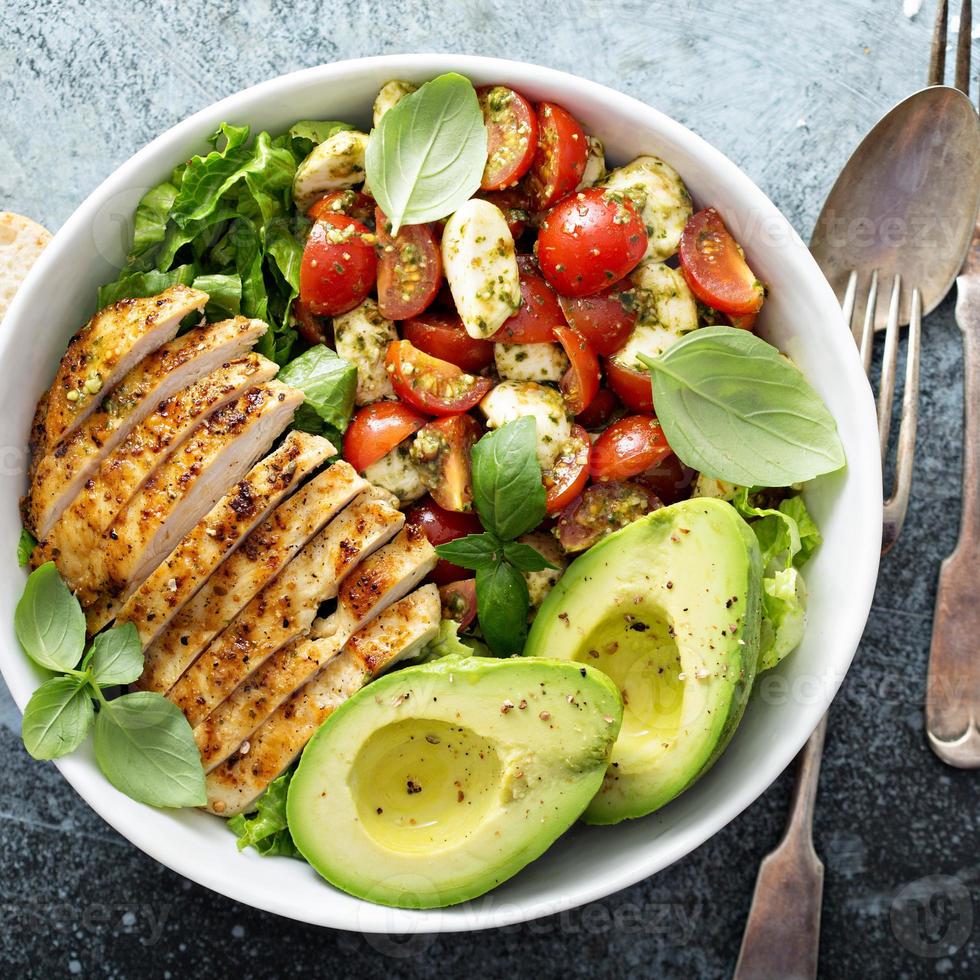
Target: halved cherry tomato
x,y
514,204
535,321
629,447
352,203
715,268
376,429
441,526
604,319
669,479
567,478
512,136
441,454
443,335
313,329
602,509
409,268
590,240
580,382
339,266
459,601
746,322
559,160
635,389
431,384
601,409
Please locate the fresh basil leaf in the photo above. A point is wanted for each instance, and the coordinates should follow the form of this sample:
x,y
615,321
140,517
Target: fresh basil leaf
x,y
117,656
309,133
507,487
525,558
502,604
426,155
267,830
49,621
145,748
57,717
25,547
224,295
474,551
733,408
328,382
149,283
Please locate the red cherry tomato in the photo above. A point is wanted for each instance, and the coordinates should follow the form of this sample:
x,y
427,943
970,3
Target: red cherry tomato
x,y
560,158
409,269
313,329
339,266
580,382
604,319
669,479
431,384
567,478
746,322
535,321
443,335
600,510
601,409
376,429
459,601
512,136
589,241
513,202
441,454
634,388
441,526
352,203
715,268
628,447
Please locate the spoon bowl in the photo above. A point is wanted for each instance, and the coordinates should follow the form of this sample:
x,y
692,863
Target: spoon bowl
x,y
902,203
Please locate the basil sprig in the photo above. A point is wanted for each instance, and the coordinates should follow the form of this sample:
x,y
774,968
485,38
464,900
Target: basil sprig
x,y
510,500
427,154
733,408
143,743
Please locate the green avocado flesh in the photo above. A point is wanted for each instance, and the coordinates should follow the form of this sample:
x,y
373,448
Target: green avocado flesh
x,y
669,608
436,783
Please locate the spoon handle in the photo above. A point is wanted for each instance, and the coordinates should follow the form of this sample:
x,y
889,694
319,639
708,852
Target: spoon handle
x,y
953,687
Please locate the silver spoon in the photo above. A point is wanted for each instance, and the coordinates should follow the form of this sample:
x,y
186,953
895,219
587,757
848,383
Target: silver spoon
x,y
903,208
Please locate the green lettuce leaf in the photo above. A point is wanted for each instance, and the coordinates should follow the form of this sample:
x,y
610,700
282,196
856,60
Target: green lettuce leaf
x,y
783,615
328,382
145,284
267,830
309,133
446,644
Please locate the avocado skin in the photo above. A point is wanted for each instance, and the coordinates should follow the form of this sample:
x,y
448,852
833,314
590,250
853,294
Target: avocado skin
x,y
590,585
565,744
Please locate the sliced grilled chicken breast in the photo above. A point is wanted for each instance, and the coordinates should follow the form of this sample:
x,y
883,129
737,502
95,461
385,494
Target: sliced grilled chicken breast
x,y
399,633
393,572
240,577
75,538
57,477
286,607
191,481
101,353
221,530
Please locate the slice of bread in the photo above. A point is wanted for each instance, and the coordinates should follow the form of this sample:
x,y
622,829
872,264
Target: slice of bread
x,y
21,242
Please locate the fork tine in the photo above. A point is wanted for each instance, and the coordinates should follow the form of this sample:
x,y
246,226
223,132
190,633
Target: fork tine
x,y
963,41
866,343
897,504
847,304
886,390
937,55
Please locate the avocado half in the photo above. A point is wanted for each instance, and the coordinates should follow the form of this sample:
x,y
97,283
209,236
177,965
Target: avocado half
x,y
669,609
436,783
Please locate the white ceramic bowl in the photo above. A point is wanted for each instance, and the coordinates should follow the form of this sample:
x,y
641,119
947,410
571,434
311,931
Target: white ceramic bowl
x,y
801,316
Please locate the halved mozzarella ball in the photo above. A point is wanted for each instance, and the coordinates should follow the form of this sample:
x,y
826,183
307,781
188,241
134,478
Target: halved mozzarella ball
x,y
362,337
390,95
512,400
335,165
396,473
595,164
530,362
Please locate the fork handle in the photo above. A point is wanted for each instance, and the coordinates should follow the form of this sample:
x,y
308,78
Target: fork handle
x,y
953,687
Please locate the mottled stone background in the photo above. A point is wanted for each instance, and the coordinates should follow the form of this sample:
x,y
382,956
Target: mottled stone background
x,y
786,89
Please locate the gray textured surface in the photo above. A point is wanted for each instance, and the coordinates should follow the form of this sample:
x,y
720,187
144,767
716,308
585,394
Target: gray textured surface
x,y
786,89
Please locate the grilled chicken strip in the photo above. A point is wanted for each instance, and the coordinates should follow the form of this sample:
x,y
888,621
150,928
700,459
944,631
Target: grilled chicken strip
x,y
101,353
58,477
384,578
286,607
221,530
77,535
399,633
238,579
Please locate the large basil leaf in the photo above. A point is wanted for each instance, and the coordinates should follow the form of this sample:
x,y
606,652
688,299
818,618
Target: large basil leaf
x,y
57,717
117,656
502,604
426,156
49,621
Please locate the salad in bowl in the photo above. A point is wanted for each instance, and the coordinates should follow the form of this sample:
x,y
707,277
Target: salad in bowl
x,y
418,491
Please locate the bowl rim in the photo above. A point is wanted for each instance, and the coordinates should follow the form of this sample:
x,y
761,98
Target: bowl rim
x,y
98,793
